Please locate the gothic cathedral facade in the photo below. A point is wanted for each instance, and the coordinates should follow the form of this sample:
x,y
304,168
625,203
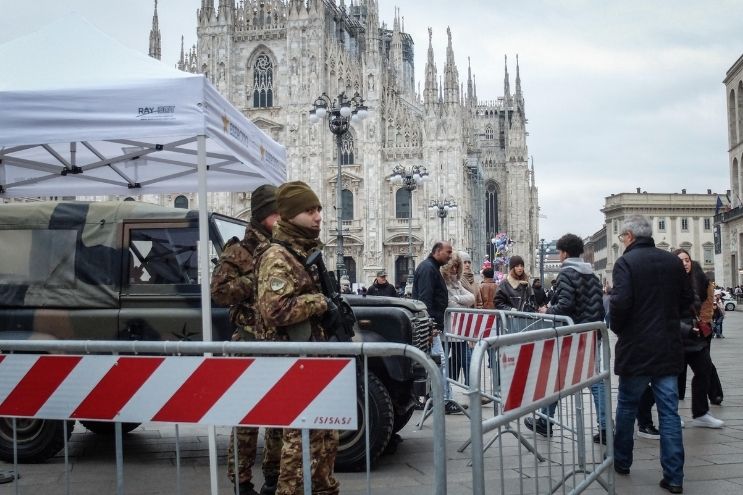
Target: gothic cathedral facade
x,y
273,58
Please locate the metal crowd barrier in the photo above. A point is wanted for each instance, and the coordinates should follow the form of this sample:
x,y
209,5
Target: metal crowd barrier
x,y
535,369
463,328
186,350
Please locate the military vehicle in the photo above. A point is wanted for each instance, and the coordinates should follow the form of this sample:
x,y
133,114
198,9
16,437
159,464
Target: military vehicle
x,y
129,271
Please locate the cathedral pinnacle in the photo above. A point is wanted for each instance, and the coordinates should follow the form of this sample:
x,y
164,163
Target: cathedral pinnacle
x,y
518,78
451,75
506,82
155,51
430,90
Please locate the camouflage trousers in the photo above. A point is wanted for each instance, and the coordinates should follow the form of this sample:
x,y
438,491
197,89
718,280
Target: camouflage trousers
x,y
247,446
323,448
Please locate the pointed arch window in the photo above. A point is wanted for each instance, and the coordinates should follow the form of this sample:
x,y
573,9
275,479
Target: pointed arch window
x,y
347,204
489,133
347,149
262,82
402,203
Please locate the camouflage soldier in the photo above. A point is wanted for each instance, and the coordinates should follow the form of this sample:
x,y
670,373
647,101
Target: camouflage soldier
x,y
233,283
290,300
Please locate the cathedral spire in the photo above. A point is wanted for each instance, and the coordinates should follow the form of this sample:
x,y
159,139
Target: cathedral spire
x,y
506,82
451,76
470,89
429,90
518,78
182,58
396,60
155,36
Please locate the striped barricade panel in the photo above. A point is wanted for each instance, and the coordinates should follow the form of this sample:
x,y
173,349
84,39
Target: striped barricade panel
x,y
318,393
473,325
531,371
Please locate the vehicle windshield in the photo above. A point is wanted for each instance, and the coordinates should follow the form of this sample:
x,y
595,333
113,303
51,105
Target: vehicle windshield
x,y
229,227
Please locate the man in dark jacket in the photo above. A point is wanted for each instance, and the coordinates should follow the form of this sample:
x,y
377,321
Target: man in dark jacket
x,y
650,290
430,288
578,295
380,286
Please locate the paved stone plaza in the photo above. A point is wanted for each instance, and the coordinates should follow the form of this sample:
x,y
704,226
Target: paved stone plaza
x,y
714,458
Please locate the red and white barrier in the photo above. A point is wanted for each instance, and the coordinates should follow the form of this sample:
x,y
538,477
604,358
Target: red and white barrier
x,y
473,325
529,372
317,393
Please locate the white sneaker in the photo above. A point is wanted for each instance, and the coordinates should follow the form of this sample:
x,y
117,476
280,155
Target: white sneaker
x,y
683,425
707,421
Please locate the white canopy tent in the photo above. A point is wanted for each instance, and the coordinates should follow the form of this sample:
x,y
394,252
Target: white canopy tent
x,y
84,115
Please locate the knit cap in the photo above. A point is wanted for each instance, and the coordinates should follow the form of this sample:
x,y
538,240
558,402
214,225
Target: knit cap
x,y
263,202
295,197
515,261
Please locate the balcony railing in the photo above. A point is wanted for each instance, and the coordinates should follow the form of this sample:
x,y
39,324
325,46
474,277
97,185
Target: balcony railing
x,y
726,216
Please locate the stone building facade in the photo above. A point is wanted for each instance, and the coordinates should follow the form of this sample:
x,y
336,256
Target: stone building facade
x,y
678,220
729,222
273,58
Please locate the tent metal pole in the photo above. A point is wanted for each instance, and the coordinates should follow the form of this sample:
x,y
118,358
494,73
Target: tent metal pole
x,y
204,276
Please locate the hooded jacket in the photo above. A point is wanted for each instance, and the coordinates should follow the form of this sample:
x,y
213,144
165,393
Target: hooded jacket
x,y
579,294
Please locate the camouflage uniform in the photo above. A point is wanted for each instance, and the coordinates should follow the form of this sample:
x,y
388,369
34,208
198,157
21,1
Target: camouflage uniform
x,y
233,283
290,300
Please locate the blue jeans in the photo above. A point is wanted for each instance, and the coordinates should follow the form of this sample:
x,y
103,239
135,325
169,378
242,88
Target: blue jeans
x,y
665,389
437,348
597,390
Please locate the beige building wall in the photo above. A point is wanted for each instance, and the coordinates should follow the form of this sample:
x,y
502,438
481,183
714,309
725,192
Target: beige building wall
x,y
679,220
730,222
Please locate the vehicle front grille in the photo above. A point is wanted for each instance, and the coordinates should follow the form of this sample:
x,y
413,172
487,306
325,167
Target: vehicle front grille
x,y
421,332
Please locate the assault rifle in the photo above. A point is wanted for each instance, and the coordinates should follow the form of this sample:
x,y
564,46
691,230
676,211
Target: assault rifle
x,y
341,318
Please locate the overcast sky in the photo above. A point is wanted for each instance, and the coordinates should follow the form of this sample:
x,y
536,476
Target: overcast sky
x,y
619,95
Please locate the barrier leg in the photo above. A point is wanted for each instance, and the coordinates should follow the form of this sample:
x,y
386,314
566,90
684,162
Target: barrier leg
x,y
119,459
177,460
306,462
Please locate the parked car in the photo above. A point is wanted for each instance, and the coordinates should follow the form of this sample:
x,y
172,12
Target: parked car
x,y
729,300
129,271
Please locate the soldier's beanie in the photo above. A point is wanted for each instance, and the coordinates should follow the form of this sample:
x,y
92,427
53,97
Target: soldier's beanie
x,y
263,202
295,197
515,261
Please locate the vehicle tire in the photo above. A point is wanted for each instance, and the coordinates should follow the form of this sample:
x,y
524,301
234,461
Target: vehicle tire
x,y
38,439
402,419
108,428
352,444
730,307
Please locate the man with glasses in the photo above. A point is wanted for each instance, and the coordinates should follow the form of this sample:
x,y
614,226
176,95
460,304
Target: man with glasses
x,y
380,286
650,290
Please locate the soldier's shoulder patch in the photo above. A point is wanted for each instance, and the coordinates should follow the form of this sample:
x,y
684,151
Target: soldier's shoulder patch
x,y
276,283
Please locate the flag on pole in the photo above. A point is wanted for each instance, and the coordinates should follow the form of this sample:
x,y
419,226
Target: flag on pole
x,y
718,205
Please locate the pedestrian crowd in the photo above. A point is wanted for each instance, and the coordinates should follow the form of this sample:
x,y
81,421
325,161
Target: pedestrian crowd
x,y
662,308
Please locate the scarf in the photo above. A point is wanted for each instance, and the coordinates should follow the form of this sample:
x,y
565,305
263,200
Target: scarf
x,y
302,239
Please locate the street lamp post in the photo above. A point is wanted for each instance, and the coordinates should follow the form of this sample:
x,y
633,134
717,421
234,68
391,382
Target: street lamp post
x,y
442,207
541,261
409,178
340,112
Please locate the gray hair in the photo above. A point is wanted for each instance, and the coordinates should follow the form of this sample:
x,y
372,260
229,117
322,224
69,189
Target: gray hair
x,y
638,225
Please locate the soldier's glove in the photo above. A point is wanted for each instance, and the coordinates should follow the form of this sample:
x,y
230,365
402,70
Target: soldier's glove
x,y
331,319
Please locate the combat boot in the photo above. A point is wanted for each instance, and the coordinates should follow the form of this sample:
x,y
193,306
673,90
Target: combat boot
x,y
269,485
246,488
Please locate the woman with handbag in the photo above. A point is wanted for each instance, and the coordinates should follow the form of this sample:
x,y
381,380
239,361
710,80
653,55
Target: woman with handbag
x,y
696,333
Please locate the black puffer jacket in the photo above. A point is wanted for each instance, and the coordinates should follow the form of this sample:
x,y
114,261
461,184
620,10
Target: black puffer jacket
x,y
579,294
650,291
